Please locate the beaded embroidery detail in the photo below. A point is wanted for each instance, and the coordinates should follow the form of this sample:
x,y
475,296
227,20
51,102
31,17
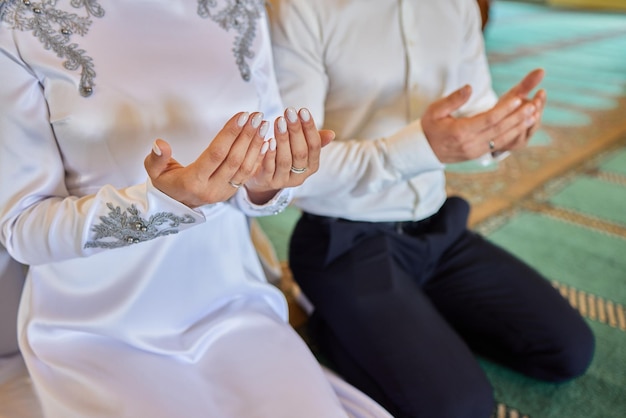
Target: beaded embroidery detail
x,y
120,229
240,15
54,28
273,208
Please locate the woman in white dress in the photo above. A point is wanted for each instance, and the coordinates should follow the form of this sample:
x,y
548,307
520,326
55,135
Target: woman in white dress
x,y
11,282
144,295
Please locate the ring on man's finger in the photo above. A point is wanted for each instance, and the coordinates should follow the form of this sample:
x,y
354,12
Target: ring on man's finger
x,y
297,170
235,185
492,145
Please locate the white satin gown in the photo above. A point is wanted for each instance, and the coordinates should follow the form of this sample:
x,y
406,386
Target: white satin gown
x,y
135,305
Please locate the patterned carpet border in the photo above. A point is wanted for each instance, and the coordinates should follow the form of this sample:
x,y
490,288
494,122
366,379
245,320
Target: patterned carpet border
x,y
504,411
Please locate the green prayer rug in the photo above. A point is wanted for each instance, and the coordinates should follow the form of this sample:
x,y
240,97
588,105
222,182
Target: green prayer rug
x,y
573,230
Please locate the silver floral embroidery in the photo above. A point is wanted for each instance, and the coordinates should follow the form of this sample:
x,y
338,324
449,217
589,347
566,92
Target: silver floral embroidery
x,y
54,28
273,209
242,16
120,229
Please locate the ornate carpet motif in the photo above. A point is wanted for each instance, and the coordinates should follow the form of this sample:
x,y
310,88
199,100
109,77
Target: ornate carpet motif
x,y
503,411
594,307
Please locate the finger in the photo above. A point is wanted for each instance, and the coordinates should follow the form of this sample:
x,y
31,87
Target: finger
x,y
531,131
446,106
254,155
217,151
514,137
493,118
241,161
539,101
326,136
528,83
284,142
299,142
516,123
158,161
517,142
313,141
268,162
265,159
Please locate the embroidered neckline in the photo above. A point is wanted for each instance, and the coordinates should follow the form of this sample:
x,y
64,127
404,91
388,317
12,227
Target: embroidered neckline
x,y
240,15
54,28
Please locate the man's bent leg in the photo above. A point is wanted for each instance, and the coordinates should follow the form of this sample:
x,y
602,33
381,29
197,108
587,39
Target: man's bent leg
x,y
508,312
381,328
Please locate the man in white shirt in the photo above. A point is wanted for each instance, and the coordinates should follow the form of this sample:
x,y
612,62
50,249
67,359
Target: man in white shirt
x,y
403,293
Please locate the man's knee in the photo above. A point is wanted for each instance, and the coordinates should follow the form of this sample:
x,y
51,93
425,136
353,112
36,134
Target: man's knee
x,y
570,356
576,354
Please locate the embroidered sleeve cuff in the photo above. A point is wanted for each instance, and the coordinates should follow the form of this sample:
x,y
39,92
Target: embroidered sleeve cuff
x,y
410,153
273,207
138,214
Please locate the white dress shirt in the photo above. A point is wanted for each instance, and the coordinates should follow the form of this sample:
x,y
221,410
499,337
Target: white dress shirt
x,y
371,68
136,305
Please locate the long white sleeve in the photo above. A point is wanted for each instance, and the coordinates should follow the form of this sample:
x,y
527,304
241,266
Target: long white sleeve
x,y
380,166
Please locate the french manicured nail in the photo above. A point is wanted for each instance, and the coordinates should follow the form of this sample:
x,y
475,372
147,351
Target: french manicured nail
x,y
272,144
292,115
282,125
305,115
264,127
156,149
257,119
243,118
265,147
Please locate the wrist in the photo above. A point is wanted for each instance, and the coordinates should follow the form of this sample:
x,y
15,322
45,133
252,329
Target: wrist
x,y
260,197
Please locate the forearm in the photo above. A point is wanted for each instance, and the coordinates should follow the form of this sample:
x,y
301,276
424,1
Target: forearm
x,y
60,228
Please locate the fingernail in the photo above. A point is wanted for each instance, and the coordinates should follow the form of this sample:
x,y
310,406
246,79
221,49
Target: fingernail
x,y
305,115
530,110
256,119
530,121
291,115
264,127
282,125
517,102
156,149
272,144
243,118
265,147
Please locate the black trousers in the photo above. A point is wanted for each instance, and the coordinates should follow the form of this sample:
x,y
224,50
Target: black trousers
x,y
402,309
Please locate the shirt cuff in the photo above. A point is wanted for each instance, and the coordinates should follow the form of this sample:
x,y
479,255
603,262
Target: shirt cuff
x,y
274,206
159,201
410,153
